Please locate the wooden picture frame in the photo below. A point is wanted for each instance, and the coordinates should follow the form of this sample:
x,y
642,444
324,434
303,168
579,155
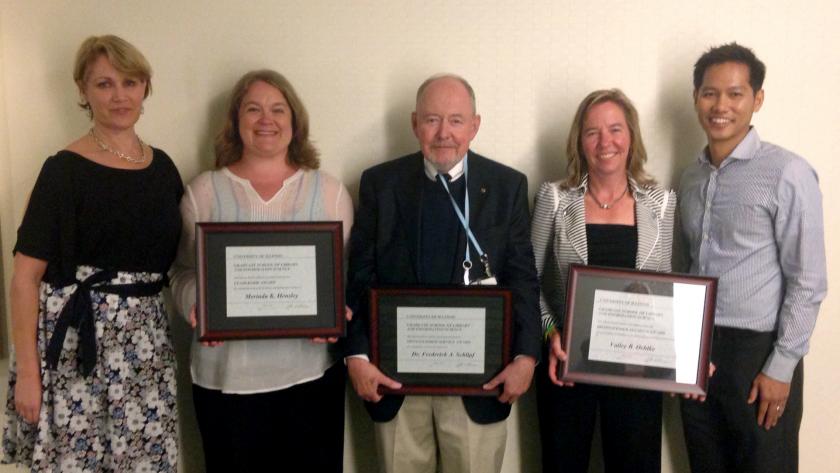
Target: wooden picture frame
x,y
269,280
638,329
440,340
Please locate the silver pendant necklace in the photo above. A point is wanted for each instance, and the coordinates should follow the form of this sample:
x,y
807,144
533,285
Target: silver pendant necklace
x,y
131,159
605,206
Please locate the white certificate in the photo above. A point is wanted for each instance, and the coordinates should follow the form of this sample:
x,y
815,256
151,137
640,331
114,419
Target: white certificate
x,y
440,339
687,333
633,328
272,281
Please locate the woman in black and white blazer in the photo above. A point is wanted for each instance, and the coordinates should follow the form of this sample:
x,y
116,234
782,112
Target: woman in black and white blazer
x,y
607,212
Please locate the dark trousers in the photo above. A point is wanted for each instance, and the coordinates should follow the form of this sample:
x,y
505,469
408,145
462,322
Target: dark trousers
x,y
631,427
722,434
300,428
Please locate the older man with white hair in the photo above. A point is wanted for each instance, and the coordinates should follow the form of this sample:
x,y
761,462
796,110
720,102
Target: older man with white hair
x,y
408,232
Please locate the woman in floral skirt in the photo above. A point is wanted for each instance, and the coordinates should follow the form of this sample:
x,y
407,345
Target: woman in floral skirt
x,y
92,379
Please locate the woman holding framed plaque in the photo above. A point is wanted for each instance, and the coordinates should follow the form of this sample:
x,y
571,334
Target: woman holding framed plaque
x,y
92,387
263,401
607,212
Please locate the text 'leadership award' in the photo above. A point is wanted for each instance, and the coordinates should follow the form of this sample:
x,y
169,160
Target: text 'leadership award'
x,y
269,280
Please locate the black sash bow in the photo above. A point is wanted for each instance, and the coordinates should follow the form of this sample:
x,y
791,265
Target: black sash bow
x,y
78,313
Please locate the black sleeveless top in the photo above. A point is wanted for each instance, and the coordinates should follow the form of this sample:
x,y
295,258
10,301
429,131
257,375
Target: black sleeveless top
x,y
612,245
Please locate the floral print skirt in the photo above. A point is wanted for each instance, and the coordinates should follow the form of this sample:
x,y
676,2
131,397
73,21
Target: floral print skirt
x,y
123,417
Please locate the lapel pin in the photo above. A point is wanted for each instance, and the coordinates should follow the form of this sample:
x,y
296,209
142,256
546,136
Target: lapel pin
x,y
483,190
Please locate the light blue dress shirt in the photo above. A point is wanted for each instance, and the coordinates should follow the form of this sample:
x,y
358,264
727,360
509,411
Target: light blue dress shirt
x,y
756,223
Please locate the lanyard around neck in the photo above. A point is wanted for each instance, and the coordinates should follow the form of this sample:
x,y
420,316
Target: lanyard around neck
x,y
464,217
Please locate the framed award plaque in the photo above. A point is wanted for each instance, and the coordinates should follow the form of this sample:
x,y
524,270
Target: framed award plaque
x,y
269,280
638,329
446,340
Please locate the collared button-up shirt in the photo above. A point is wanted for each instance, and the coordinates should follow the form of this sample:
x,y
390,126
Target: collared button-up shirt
x,y
454,174
755,222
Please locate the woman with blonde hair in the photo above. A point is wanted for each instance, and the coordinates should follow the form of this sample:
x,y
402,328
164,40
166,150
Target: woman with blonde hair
x,y
92,380
606,212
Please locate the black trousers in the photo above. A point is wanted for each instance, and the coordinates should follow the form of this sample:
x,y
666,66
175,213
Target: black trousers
x,y
300,428
722,434
631,427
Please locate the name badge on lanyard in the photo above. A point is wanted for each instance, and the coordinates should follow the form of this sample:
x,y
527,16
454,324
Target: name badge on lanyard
x,y
464,217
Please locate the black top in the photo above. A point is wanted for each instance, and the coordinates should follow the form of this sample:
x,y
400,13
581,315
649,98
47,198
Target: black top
x,y
612,245
440,255
84,213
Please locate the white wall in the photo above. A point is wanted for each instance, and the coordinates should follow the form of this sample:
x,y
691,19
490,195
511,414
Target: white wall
x,y
5,202
357,64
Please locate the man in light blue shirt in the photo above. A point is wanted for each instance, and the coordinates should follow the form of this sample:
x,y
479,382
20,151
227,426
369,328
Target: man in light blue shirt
x,y
751,214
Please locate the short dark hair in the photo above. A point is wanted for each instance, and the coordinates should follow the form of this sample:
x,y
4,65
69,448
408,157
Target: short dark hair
x,y
732,52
